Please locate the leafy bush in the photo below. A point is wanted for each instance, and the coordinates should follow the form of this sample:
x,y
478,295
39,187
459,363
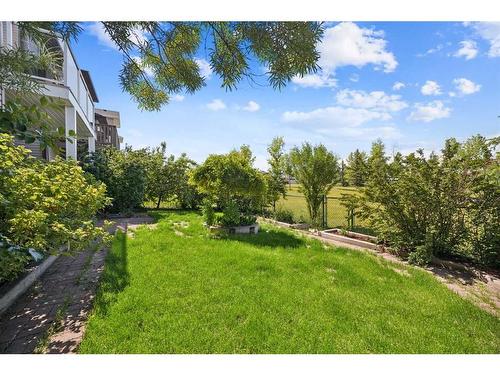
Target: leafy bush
x,y
283,215
232,183
46,205
445,205
124,174
231,215
248,219
208,212
13,260
421,256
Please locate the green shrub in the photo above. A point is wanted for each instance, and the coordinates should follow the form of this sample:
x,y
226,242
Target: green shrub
x,y
421,256
45,206
442,205
231,215
283,215
124,174
231,179
248,219
208,212
13,260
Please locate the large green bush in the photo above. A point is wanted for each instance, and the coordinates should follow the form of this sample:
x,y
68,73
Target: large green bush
x,y
123,173
232,183
441,205
45,206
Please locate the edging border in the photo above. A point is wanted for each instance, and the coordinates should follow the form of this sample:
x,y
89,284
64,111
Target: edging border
x,y
24,284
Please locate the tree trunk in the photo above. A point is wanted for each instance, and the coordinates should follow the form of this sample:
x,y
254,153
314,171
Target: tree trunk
x,y
159,201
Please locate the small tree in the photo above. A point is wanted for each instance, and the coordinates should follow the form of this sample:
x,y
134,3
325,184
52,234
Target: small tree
x,y
172,182
316,170
356,169
124,174
230,180
276,182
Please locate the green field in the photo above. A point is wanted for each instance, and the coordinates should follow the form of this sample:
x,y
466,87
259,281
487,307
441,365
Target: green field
x,y
296,203
174,289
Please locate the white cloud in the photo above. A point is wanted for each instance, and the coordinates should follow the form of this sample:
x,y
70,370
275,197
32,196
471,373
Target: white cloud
x,y
431,88
354,77
348,44
429,111
431,51
251,106
398,86
489,31
376,100
468,50
465,86
336,116
205,69
216,105
315,80
97,29
178,98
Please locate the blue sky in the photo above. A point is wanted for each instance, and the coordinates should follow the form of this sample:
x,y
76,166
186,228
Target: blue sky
x,y
412,84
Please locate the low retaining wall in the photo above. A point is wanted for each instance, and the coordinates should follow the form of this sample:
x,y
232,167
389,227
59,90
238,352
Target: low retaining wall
x,y
330,234
355,235
18,289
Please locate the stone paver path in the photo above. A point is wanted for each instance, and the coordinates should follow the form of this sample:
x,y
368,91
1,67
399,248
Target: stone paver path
x,y
50,317
68,286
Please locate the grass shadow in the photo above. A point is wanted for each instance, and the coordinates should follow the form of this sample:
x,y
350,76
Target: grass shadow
x,y
115,277
269,237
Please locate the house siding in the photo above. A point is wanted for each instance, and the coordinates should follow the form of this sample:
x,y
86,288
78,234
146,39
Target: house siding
x,y
35,148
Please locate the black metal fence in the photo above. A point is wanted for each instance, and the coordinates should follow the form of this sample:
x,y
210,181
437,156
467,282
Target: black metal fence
x,y
333,213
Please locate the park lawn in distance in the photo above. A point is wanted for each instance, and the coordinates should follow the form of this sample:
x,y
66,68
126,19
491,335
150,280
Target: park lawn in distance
x,y
295,202
173,289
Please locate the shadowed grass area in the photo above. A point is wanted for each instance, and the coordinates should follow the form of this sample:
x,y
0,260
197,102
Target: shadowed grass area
x,y
181,291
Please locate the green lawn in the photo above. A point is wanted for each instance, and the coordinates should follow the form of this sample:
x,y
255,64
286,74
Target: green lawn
x,y
175,290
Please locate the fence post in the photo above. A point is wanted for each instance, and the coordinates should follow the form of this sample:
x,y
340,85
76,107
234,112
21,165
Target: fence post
x,y
326,211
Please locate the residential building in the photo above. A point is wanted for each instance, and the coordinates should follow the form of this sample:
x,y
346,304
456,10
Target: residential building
x,y
107,123
70,84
